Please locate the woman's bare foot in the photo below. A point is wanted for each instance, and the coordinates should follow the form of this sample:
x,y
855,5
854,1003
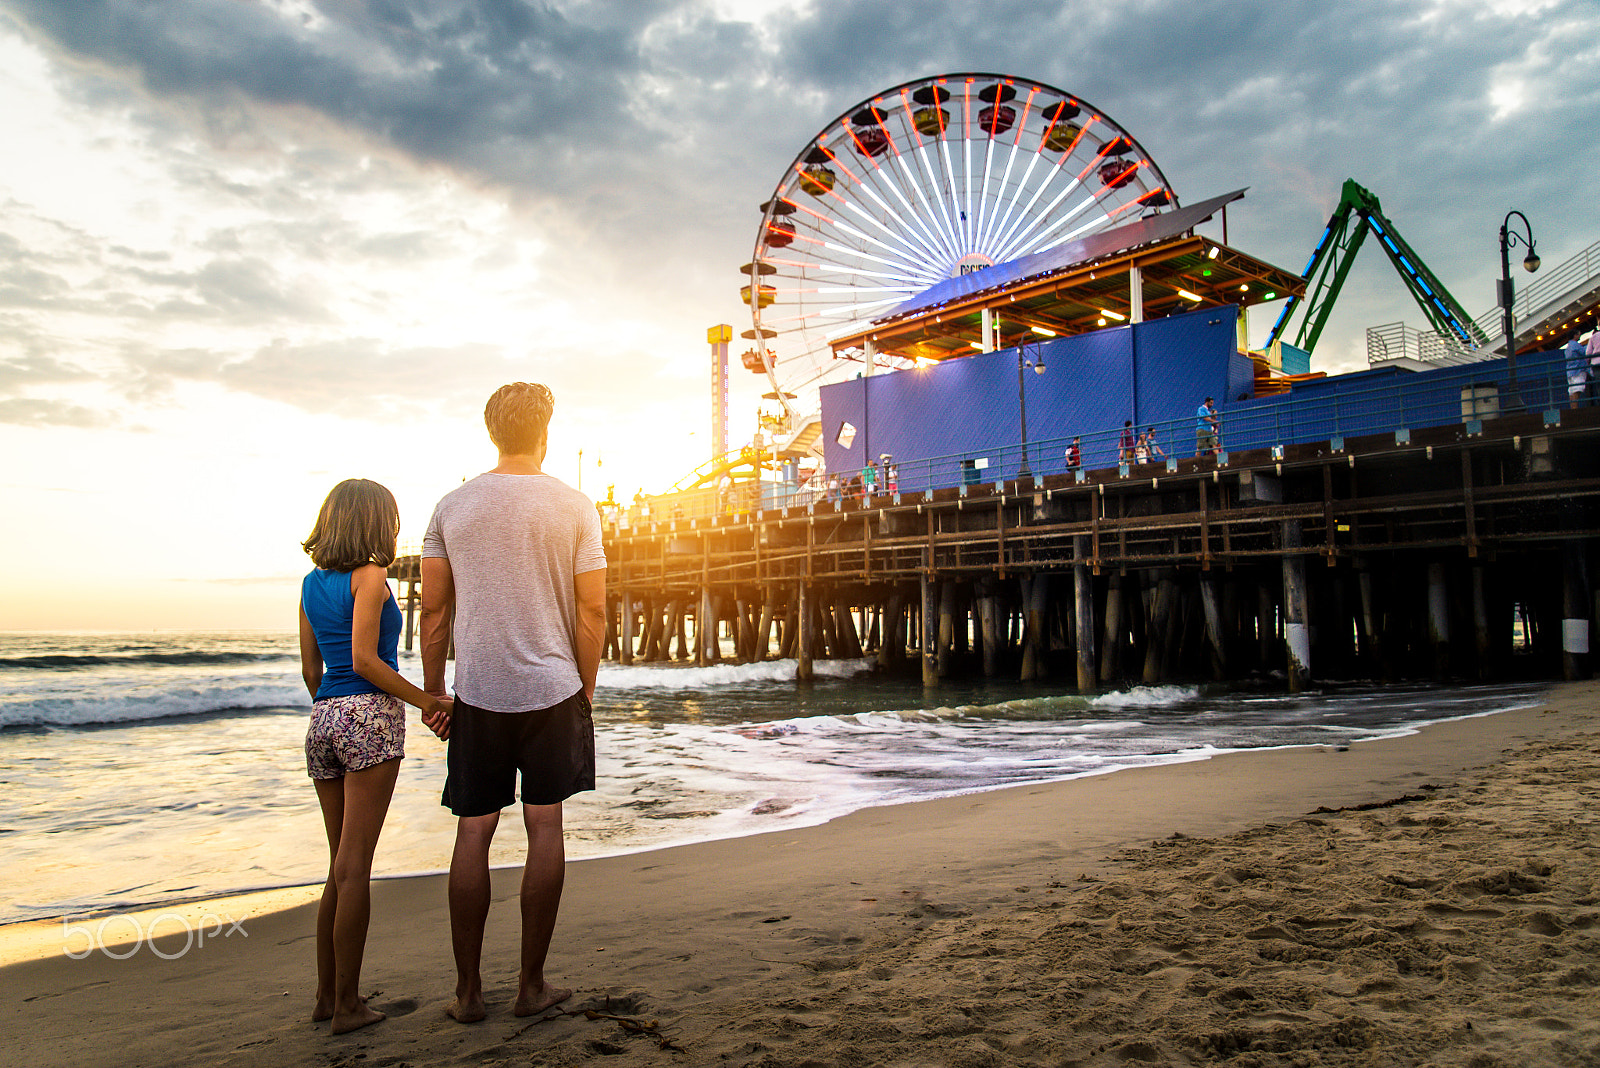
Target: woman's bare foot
x,y
466,1010
364,1016
531,1002
322,1010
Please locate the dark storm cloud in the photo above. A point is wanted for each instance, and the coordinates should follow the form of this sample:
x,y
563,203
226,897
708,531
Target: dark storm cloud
x,y
451,81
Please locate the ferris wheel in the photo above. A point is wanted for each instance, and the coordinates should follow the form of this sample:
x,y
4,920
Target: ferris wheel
x,y
919,183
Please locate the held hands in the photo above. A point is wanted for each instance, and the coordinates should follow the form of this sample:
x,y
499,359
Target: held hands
x,y
438,720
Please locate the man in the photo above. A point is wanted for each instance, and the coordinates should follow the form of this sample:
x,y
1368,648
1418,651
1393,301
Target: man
x,y
1125,444
1207,426
1074,455
513,558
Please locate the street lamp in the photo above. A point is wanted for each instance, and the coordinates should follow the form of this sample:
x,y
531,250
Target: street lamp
x,y
1509,237
1037,363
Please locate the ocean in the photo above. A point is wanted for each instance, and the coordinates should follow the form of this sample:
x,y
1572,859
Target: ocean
x,y
144,769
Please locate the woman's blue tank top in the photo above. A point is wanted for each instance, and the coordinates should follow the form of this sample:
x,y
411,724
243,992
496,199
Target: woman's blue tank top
x,y
329,605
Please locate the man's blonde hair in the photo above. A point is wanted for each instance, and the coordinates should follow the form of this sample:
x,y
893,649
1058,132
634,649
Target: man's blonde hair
x,y
518,417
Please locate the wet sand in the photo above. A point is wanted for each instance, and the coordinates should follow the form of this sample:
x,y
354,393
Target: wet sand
x,y
1426,900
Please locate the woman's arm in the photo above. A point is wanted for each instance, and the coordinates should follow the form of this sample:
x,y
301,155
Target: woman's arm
x,y
310,656
370,585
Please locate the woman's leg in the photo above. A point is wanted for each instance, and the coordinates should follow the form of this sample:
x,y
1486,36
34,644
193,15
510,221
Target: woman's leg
x,y
330,794
366,803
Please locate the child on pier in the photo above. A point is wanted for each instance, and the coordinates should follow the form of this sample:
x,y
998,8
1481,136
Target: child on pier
x,y
349,644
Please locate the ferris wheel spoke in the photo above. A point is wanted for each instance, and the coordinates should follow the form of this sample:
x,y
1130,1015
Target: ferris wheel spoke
x,y
983,197
1032,244
935,240
1012,202
907,230
957,215
1000,198
931,169
911,224
903,233
847,228
930,174
1020,241
938,243
1056,170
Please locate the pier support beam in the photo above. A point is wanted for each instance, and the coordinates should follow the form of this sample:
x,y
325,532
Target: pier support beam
x,y
1266,625
677,636
1111,643
625,627
1162,614
1214,635
1438,620
892,646
1296,616
1035,655
764,628
1482,640
804,633
930,631
1083,613
1574,613
947,627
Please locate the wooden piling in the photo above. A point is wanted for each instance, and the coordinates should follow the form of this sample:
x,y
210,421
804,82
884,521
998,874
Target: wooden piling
x,y
1438,619
1296,632
930,630
1574,613
803,667
1083,613
1214,636
1111,642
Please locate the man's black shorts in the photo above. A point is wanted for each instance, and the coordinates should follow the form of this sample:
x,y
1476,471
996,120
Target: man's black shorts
x,y
552,747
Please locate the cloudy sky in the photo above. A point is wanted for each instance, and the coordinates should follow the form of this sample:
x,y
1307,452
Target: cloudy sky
x,y
251,247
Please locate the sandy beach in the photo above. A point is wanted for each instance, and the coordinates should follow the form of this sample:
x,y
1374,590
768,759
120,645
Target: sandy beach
x,y
1425,900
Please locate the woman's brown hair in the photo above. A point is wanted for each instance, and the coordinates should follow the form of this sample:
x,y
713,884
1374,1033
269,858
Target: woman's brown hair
x,y
359,524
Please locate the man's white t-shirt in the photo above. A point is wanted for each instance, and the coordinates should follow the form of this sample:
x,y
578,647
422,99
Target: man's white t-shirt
x,y
515,543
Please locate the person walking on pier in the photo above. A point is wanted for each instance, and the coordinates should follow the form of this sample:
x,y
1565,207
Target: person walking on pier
x,y
1577,372
1125,444
1207,429
1074,455
513,560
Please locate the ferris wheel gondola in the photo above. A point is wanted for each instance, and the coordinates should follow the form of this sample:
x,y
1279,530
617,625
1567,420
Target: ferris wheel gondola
x,y
919,183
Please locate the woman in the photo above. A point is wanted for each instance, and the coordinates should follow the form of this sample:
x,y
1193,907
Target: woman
x,y
349,644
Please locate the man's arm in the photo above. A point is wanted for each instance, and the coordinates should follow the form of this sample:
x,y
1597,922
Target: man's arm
x,y
590,588
438,611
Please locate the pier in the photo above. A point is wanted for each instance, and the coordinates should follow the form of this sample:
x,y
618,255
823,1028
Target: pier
x,y
1457,551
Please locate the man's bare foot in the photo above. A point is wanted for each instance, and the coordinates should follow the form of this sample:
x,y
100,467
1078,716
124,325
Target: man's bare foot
x,y
365,1016
532,1002
466,1010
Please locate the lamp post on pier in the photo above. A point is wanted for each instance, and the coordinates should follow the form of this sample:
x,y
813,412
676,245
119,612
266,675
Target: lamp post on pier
x,y
1037,363
1508,238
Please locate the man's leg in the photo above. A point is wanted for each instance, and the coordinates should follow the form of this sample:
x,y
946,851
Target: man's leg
x,y
542,878
469,911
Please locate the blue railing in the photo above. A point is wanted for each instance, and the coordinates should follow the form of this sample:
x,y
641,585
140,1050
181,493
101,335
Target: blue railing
x,y
1373,402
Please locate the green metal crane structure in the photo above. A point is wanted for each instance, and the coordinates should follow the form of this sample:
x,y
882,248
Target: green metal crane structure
x,y
1357,213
